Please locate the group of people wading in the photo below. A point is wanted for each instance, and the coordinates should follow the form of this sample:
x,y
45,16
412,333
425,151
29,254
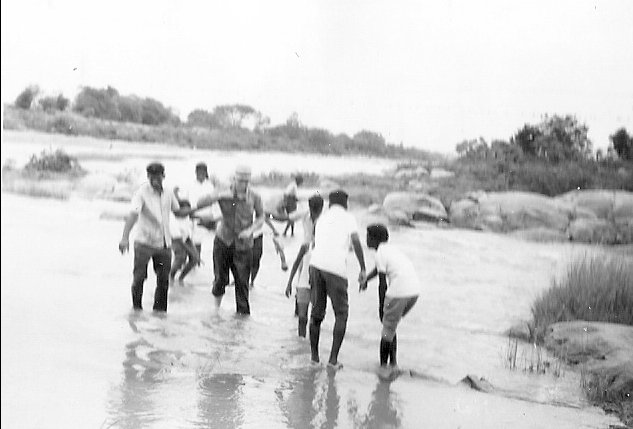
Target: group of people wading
x,y
177,219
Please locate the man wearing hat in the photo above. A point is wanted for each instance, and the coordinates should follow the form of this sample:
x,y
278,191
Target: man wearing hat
x,y
151,206
233,243
333,234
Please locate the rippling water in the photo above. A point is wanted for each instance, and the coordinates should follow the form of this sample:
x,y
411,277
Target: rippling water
x,y
74,355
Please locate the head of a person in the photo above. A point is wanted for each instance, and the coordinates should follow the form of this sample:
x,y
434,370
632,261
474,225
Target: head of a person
x,y
377,233
339,198
315,204
202,173
156,175
299,179
241,178
290,203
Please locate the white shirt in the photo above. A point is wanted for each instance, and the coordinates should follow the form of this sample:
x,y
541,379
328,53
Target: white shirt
x,y
194,193
291,189
180,227
402,280
303,277
153,209
332,240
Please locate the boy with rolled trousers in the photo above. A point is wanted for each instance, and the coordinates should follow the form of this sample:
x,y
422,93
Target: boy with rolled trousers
x,y
398,290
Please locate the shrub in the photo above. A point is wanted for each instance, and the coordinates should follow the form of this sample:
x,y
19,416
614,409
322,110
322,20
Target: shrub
x,y
53,162
25,99
593,288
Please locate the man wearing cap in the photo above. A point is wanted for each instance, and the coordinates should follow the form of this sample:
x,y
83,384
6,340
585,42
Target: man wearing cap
x,y
333,233
204,219
233,243
151,206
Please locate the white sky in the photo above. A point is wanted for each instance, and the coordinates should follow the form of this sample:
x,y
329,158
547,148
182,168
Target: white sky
x,y
425,73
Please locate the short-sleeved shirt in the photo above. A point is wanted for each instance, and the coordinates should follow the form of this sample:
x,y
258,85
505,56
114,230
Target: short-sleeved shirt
x,y
303,277
194,193
237,215
180,227
332,240
153,209
402,280
291,189
272,205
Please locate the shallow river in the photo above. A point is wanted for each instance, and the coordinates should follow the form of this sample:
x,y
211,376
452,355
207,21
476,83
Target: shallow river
x,y
74,355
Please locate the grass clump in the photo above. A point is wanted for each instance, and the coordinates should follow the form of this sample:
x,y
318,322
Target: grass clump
x,y
594,288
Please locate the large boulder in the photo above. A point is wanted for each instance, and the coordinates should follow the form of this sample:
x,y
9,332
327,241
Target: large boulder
x,y
613,205
401,207
440,173
510,211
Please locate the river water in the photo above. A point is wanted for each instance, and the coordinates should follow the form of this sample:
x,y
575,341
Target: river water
x,y
75,355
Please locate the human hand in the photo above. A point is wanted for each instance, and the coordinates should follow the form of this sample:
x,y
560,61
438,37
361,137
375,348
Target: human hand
x,y
124,245
288,290
362,280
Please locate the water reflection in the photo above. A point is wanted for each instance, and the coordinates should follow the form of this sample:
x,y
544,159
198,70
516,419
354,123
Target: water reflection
x,y
382,412
219,403
313,400
142,370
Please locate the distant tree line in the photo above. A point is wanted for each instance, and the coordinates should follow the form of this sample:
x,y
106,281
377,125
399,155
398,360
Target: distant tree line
x,y
553,140
108,104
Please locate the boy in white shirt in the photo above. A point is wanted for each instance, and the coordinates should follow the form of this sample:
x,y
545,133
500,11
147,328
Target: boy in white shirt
x,y
302,263
398,288
181,229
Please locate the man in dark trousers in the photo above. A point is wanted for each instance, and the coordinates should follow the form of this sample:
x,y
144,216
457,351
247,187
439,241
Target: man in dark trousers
x,y
151,206
233,243
334,232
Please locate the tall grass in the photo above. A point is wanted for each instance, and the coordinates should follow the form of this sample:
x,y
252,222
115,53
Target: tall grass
x,y
595,287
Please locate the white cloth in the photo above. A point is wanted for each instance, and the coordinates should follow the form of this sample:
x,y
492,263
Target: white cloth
x,y
402,280
194,193
332,240
180,227
153,209
291,189
302,279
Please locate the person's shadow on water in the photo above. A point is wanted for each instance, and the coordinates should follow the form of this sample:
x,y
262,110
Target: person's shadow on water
x,y
313,401
381,412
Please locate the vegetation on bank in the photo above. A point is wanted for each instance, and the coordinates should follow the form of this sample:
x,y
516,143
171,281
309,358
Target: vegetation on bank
x,y
594,288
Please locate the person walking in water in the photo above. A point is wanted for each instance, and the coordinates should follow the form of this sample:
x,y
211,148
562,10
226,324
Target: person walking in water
x,y
302,263
398,290
205,219
242,214
335,230
181,230
290,196
150,210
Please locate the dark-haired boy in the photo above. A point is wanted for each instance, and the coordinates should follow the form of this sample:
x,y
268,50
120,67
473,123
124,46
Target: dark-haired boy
x,y
398,288
302,263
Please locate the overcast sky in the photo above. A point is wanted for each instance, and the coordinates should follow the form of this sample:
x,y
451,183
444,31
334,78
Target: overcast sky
x,y
427,74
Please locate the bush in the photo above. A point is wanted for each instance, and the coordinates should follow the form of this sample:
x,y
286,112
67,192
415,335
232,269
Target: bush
x,y
594,288
25,99
53,162
51,104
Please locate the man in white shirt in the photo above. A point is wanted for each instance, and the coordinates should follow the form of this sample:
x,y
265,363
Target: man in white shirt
x,y
204,218
334,232
151,207
398,289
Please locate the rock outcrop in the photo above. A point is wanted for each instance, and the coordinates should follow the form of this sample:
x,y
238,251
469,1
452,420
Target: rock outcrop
x,y
404,207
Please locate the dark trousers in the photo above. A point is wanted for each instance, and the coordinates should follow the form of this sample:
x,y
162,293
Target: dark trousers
x,y
324,284
239,261
258,250
161,259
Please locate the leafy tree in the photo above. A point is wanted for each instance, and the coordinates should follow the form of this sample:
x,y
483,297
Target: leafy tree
x,y
100,103
202,118
623,144
233,115
555,138
25,98
51,103
130,108
370,141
